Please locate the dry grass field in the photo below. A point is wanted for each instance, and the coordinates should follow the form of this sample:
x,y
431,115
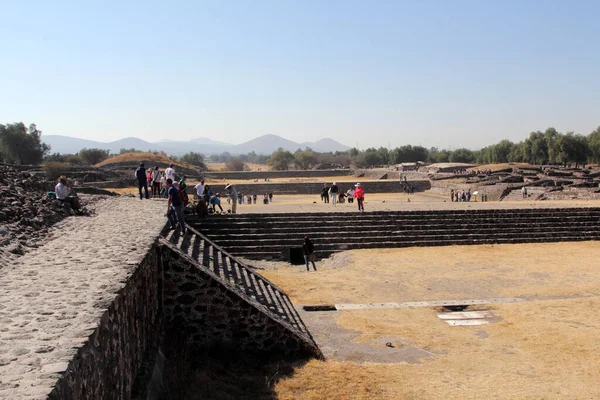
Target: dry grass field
x,y
544,347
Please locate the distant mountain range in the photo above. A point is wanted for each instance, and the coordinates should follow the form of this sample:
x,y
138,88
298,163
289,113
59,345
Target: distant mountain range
x,y
265,144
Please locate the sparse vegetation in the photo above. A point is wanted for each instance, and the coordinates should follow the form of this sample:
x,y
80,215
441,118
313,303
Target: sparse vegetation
x,y
93,156
54,169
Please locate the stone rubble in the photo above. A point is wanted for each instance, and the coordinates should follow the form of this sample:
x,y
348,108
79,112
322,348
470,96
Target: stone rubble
x,y
26,213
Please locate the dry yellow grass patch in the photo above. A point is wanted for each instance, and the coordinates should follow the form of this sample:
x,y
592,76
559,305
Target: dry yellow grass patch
x,y
139,157
539,350
446,273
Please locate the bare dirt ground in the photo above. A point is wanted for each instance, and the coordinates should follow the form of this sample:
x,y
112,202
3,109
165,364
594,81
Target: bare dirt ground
x,y
544,347
386,202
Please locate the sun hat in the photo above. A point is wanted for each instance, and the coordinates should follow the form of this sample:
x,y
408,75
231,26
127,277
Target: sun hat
x,y
358,184
334,183
228,186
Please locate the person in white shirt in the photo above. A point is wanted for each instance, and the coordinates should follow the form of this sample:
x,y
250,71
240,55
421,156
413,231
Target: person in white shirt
x,y
63,191
170,173
200,189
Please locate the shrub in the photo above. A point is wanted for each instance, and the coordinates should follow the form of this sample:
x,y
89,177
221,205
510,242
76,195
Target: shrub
x,y
54,169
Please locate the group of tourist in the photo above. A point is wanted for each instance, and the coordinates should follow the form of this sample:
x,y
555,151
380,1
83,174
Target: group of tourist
x,y
472,171
154,179
334,193
460,195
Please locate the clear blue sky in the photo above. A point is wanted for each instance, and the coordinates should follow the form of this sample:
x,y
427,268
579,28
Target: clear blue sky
x,y
436,73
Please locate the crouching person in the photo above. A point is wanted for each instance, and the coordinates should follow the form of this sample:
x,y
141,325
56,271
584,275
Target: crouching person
x,y
63,193
175,207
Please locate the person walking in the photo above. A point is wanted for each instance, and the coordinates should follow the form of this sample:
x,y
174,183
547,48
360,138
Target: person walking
x,y
325,193
359,195
156,175
333,191
309,253
233,195
175,207
140,174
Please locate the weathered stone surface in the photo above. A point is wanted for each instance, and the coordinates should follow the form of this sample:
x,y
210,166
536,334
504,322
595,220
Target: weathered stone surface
x,y
78,311
25,213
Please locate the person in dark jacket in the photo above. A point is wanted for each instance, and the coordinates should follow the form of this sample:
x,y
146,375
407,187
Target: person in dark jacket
x,y
309,253
140,174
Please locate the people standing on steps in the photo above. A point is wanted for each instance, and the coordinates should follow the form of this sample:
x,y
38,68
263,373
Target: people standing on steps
x,y
142,179
233,195
175,207
359,195
524,192
333,192
309,253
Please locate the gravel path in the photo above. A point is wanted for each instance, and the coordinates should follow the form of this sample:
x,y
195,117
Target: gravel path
x,y
52,298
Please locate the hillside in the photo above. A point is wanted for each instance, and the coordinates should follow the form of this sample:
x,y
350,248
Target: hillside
x,y
149,159
265,144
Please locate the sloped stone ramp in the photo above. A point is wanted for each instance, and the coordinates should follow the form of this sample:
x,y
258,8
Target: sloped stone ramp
x,y
218,300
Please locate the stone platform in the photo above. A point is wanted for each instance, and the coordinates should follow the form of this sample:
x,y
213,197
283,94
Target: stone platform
x,y
52,299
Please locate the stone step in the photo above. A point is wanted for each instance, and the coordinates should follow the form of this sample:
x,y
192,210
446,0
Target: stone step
x,y
257,254
399,220
520,211
333,242
294,232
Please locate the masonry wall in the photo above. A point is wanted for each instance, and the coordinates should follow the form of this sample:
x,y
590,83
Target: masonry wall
x,y
316,187
277,174
106,367
212,315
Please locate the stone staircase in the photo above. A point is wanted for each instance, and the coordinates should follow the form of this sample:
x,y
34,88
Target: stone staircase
x,y
265,236
533,193
240,280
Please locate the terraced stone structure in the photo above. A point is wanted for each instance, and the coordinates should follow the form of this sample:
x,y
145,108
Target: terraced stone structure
x,y
267,236
84,316
214,297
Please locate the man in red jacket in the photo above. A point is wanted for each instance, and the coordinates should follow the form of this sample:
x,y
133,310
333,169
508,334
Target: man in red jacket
x,y
359,195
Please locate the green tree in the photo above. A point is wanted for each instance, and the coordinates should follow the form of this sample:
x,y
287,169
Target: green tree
x,y
20,145
280,160
131,150
462,156
193,158
93,156
594,144
304,159
574,148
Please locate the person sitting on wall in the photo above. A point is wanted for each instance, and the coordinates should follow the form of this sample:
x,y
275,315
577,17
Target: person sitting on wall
x,y
63,193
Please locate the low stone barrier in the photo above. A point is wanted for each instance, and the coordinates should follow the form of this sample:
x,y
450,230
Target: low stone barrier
x,y
312,173
316,187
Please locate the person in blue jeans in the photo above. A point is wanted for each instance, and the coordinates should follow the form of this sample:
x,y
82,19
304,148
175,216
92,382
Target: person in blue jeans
x,y
175,207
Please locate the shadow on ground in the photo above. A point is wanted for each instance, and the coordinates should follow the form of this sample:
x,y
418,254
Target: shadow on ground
x,y
224,375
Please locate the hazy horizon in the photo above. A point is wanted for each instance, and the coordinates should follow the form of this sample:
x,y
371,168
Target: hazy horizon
x,y
436,74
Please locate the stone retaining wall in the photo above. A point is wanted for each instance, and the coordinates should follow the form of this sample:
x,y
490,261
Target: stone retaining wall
x,y
213,315
239,175
107,365
316,187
